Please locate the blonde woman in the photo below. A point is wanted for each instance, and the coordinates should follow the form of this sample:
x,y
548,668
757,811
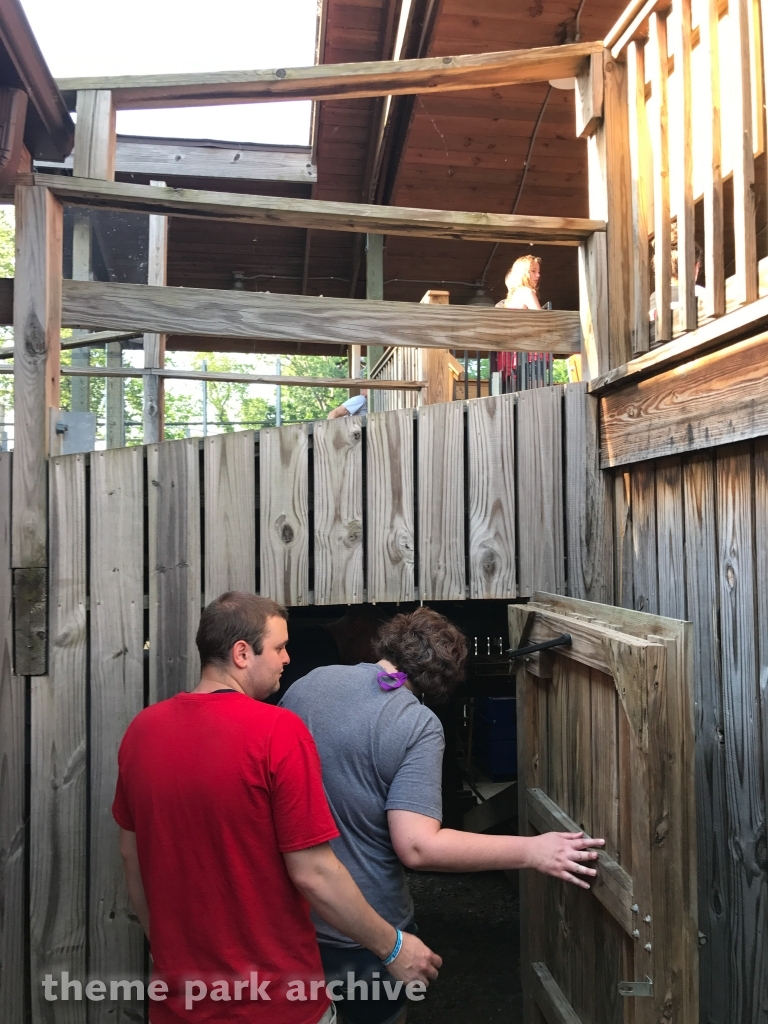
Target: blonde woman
x,y
522,283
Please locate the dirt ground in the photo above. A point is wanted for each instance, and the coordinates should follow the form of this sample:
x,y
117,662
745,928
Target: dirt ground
x,y
472,921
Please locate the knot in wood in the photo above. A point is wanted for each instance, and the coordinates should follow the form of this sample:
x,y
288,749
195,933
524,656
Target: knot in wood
x,y
354,532
34,336
285,531
490,564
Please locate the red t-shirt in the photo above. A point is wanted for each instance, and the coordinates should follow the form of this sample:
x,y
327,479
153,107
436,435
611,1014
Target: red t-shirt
x,y
217,787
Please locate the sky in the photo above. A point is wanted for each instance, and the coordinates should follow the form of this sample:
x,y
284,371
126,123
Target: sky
x,y
102,37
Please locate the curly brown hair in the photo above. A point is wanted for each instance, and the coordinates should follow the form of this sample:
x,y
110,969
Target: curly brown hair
x,y
428,648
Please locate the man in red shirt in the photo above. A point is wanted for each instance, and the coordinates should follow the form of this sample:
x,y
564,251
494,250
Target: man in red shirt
x,y
224,833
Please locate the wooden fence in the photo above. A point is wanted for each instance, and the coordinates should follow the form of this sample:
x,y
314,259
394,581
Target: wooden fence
x,y
492,499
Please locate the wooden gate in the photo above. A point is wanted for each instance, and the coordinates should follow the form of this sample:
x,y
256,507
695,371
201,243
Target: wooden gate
x,y
605,740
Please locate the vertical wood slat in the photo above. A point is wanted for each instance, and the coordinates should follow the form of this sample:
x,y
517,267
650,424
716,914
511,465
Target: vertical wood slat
x,y
638,156
36,327
13,828
230,513
662,226
58,793
588,501
744,230
491,454
681,148
284,515
441,551
714,258
745,818
623,577
540,491
154,344
390,510
644,558
713,852
175,566
338,492
761,588
116,941
670,538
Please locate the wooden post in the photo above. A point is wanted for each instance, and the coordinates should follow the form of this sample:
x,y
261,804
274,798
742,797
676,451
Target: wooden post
x,y
682,146
36,322
374,286
662,226
154,344
593,255
640,156
94,157
714,260
436,363
744,232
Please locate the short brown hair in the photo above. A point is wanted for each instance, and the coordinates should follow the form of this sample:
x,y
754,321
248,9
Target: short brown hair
x,y
236,615
428,648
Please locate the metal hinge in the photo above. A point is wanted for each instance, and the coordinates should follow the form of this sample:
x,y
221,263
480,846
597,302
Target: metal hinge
x,y
636,988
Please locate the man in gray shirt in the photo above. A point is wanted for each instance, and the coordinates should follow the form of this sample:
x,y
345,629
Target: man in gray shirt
x,y
381,751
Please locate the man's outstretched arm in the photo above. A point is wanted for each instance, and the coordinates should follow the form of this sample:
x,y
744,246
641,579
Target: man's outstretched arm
x,y
332,893
136,895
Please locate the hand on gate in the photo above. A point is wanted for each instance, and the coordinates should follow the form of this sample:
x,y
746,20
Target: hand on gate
x,y
565,855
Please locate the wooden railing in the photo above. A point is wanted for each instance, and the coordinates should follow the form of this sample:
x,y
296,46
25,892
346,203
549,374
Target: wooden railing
x,y
697,231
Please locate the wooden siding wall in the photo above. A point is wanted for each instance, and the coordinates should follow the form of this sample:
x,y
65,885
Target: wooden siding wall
x,y
439,503
691,540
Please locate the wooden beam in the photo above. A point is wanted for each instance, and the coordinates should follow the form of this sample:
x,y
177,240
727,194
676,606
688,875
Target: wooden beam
x,y
115,372
709,82
549,997
681,145
319,214
342,81
717,399
744,230
639,158
203,159
269,317
36,320
662,224
730,327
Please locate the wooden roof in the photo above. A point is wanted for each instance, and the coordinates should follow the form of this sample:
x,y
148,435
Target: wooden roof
x,y
461,151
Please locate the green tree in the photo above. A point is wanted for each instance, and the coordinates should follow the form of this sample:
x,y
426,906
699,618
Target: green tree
x,y
299,404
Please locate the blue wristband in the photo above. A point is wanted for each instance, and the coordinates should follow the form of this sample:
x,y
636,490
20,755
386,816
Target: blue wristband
x,y
395,951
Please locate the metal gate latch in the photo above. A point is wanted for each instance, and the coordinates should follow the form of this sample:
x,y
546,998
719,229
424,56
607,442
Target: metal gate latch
x,y
636,988
564,640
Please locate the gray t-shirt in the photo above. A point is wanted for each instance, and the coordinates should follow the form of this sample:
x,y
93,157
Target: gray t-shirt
x,y
381,751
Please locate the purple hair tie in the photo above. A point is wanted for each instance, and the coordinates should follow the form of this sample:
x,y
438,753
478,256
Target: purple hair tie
x,y
399,679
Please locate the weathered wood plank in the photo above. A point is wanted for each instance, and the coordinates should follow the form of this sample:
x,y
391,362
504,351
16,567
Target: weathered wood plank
x,y
744,228
116,941
613,886
702,601
36,320
343,81
761,591
13,812
283,512
713,400
173,157
391,526
615,130
230,513
338,477
94,153
540,491
670,539
745,801
714,227
318,214
58,776
639,156
175,566
30,621
681,148
588,501
624,583
491,454
441,550
262,316
550,999
111,372
662,225
645,571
